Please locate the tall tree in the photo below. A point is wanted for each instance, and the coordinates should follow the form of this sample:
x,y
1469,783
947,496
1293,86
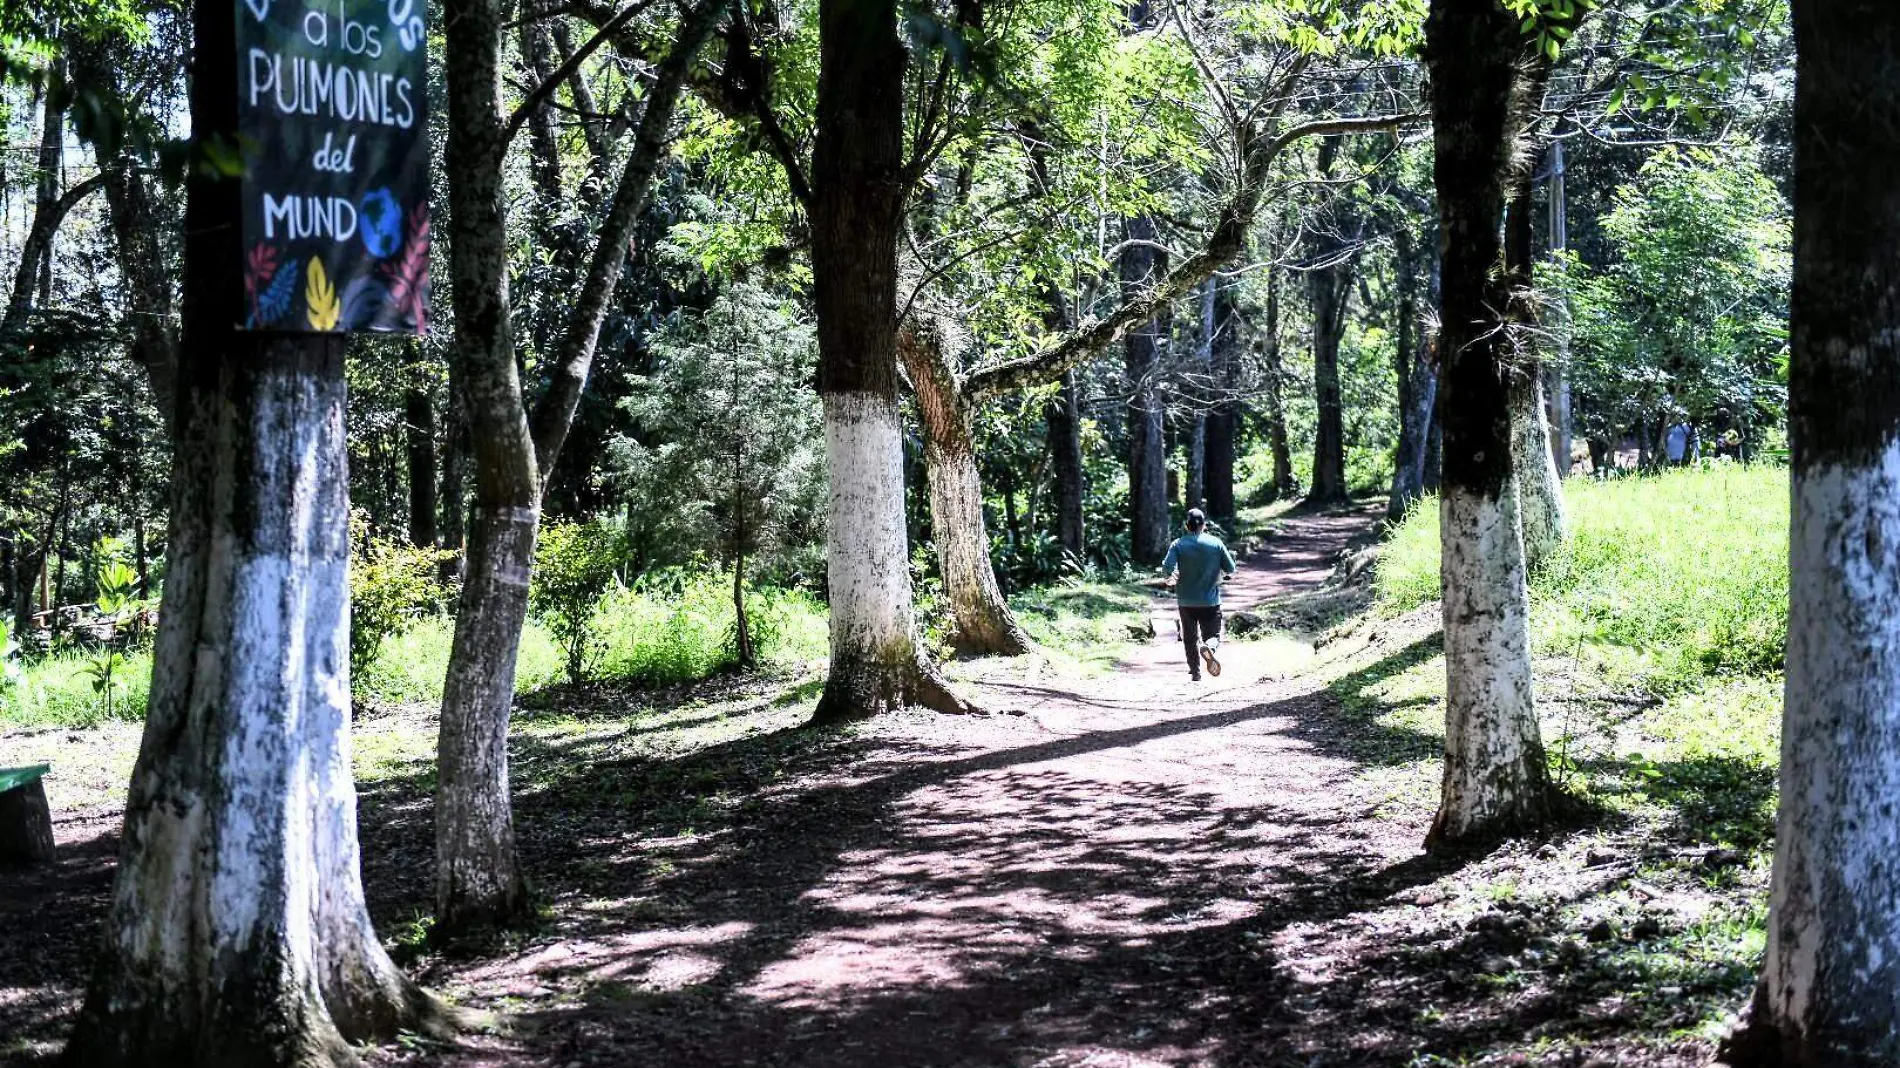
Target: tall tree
x,y
238,933
1540,492
1418,383
479,879
1273,373
858,187
1142,265
1223,419
1495,777
1329,286
1830,986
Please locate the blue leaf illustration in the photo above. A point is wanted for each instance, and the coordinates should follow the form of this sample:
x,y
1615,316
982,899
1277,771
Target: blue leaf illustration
x,y
275,303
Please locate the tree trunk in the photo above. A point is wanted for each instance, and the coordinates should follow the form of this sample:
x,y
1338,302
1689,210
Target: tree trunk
x,y
478,877
1065,443
1418,389
1141,267
1540,492
1223,420
984,625
419,434
238,933
1830,986
858,191
1557,367
47,209
479,880
1495,778
1196,496
140,235
1331,291
454,471
1277,442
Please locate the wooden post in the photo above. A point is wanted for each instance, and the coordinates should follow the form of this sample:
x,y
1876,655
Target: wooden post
x,y
26,822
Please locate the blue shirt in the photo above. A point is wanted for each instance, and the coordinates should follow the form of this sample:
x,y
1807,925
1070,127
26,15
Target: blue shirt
x,y
1202,560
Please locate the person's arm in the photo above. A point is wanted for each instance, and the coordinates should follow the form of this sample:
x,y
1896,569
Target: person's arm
x,y
1174,560
1227,559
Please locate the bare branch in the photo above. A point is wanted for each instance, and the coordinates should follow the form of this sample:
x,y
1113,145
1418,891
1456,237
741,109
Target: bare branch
x,y
568,66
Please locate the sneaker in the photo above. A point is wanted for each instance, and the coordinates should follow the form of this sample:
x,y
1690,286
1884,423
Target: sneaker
x,y
1194,676
1213,665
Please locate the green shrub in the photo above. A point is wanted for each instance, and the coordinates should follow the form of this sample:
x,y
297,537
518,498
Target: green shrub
x,y
392,585
678,626
1666,579
573,566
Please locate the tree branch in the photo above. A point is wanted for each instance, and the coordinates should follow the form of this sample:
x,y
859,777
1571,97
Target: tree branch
x,y
1223,245
568,66
554,413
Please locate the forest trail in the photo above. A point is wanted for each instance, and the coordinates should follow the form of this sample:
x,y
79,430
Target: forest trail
x,y
1135,871
1130,872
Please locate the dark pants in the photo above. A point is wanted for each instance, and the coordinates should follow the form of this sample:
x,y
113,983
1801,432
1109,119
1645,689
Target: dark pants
x,y
1198,622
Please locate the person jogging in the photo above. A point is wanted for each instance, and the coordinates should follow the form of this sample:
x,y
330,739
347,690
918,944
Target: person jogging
x,y
1203,561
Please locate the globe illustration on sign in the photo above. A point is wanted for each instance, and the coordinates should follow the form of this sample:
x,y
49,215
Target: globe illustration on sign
x,y
380,220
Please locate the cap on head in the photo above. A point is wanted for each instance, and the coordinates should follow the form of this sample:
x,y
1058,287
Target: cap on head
x,y
1196,519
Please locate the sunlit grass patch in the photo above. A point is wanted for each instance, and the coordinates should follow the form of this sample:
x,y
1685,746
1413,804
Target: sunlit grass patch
x,y
1087,623
64,690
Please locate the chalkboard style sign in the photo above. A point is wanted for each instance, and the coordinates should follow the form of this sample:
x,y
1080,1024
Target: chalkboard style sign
x,y
336,152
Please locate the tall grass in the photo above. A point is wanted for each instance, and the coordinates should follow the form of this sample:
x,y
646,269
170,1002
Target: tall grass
x,y
1666,581
680,630
57,691
687,632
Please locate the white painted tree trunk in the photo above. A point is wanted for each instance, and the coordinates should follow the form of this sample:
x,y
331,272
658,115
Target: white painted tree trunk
x,y
1831,982
238,933
1495,777
1540,493
1830,986
876,665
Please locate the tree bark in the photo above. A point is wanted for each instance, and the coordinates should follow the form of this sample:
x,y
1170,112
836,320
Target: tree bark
x,y
1495,777
1540,493
238,933
984,624
1196,492
1065,443
418,410
1418,389
1331,291
858,191
478,877
1830,985
1223,420
1557,367
479,880
1141,266
1277,442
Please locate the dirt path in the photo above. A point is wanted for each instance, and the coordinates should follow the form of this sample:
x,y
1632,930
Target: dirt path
x,y
1125,875
1133,871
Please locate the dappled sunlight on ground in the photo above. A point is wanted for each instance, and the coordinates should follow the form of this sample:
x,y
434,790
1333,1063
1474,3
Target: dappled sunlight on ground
x,y
1123,870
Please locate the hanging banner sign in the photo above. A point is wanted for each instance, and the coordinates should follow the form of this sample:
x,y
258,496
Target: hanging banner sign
x,y
331,124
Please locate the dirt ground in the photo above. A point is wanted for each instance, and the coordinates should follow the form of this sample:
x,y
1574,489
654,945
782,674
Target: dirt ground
x,y
1129,871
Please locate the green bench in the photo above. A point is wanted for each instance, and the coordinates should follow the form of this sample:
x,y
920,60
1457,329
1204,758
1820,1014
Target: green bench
x,y
26,823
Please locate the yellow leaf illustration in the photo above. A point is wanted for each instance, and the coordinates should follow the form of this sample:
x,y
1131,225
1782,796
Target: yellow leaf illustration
x,y
321,296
